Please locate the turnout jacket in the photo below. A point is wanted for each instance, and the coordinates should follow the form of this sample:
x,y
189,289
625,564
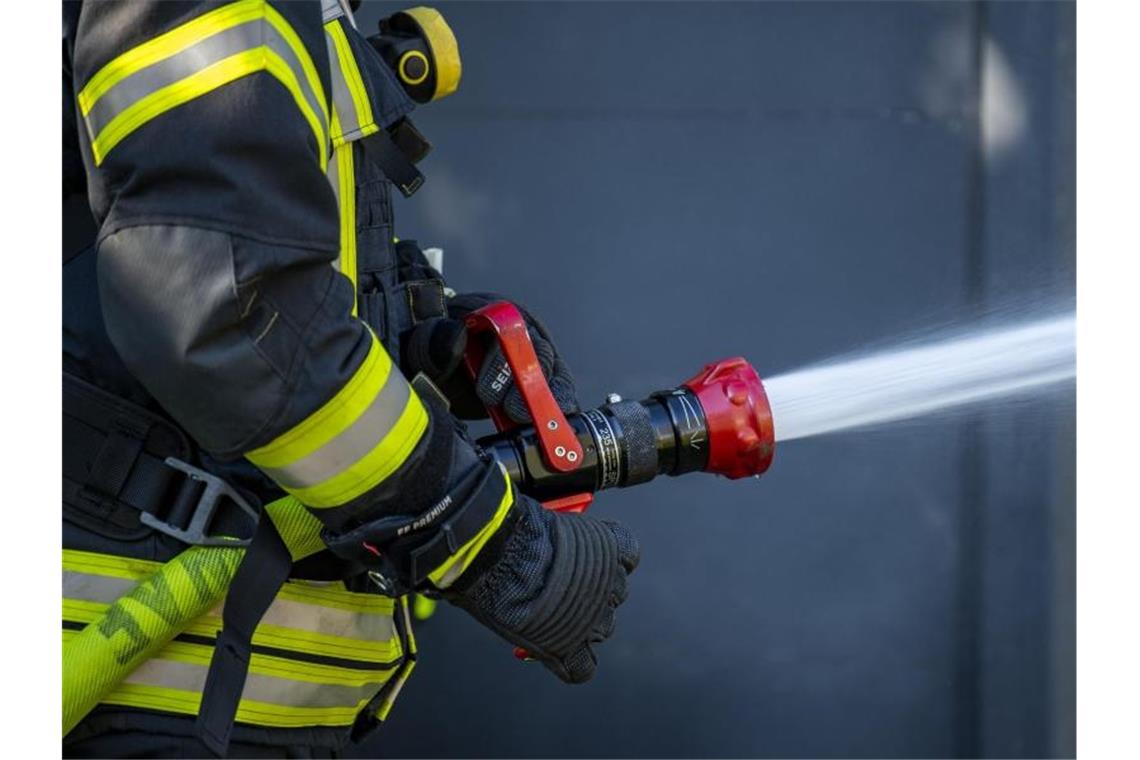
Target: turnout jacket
x,y
245,284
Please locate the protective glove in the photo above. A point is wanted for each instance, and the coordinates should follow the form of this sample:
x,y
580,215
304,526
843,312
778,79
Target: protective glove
x,y
454,526
553,587
436,347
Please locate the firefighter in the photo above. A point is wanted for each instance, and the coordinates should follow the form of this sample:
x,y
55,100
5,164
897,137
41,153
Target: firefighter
x,y
233,342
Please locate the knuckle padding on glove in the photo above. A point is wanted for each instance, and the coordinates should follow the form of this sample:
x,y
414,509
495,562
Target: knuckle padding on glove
x,y
576,593
628,548
555,588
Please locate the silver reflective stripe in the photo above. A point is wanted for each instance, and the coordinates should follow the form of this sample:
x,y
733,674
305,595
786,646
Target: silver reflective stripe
x,y
346,6
190,61
331,10
95,588
367,627
172,674
359,438
341,97
332,173
451,575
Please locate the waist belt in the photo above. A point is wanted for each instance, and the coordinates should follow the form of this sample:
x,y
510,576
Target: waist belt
x,y
126,472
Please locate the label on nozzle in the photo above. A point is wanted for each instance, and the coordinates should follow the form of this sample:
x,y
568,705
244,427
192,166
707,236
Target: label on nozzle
x,y
609,456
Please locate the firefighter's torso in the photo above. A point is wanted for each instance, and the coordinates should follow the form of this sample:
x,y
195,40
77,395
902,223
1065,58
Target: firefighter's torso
x,y
329,647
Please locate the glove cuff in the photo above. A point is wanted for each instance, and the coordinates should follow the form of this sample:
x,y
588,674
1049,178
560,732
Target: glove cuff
x,y
406,553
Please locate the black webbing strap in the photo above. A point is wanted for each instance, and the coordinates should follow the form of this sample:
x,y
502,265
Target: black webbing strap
x,y
460,527
402,551
382,150
114,460
259,577
126,471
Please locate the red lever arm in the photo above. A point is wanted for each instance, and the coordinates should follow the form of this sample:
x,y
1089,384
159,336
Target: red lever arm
x,y
502,320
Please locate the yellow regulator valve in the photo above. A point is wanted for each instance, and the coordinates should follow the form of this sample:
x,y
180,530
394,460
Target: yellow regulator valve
x,y
421,48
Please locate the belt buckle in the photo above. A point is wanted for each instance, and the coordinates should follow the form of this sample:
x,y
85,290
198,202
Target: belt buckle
x,y
216,490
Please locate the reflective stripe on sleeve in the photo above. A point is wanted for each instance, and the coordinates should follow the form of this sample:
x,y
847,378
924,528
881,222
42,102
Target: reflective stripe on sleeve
x,y
453,567
342,176
196,58
350,98
352,443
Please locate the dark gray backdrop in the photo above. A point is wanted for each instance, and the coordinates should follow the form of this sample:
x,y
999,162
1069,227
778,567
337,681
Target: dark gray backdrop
x,y
671,183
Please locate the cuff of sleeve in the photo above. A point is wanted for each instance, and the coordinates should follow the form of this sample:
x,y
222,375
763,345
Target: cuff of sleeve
x,y
355,441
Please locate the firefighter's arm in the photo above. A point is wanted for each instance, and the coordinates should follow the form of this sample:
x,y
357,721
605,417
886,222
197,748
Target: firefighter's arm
x,y
207,146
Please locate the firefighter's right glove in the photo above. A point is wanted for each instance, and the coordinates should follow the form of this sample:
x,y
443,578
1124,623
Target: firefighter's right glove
x,y
552,586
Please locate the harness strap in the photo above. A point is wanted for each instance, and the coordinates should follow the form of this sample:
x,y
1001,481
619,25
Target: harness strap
x,y
383,151
260,576
126,472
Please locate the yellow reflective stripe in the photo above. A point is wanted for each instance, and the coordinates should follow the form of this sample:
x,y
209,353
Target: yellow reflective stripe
x,y
298,528
351,444
347,62
368,472
396,684
307,592
255,713
363,607
166,45
108,564
278,22
276,66
394,690
453,567
337,597
81,611
326,644
337,414
206,80
107,131
278,667
304,642
269,665
346,177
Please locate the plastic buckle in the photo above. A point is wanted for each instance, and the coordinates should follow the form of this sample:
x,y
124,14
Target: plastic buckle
x,y
216,489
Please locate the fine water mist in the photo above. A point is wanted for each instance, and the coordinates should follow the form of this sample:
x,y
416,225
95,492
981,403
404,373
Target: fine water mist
x,y
924,378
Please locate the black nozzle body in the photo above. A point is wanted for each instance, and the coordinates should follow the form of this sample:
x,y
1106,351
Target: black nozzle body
x,y
623,444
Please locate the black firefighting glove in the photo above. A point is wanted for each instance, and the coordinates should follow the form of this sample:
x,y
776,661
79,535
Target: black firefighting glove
x,y
553,587
454,526
436,347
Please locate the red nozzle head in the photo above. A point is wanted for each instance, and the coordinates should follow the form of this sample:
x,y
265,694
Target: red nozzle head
x,y
739,420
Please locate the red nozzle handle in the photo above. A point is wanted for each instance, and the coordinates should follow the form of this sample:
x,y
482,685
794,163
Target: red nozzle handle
x,y
504,322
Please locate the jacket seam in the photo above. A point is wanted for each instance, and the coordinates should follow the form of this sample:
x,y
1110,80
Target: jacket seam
x,y
214,226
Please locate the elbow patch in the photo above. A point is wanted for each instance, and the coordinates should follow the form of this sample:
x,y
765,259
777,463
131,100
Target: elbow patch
x,y
170,305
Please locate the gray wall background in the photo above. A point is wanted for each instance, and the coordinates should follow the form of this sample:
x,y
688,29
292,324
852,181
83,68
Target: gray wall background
x,y
671,183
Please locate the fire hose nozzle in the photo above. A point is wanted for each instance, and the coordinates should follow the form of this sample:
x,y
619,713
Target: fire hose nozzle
x,y
737,417
718,421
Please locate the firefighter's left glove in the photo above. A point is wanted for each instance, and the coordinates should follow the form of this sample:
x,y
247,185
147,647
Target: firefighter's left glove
x,y
436,347
553,587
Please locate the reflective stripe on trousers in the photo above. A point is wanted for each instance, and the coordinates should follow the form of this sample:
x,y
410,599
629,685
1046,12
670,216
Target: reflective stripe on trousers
x,y
320,654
